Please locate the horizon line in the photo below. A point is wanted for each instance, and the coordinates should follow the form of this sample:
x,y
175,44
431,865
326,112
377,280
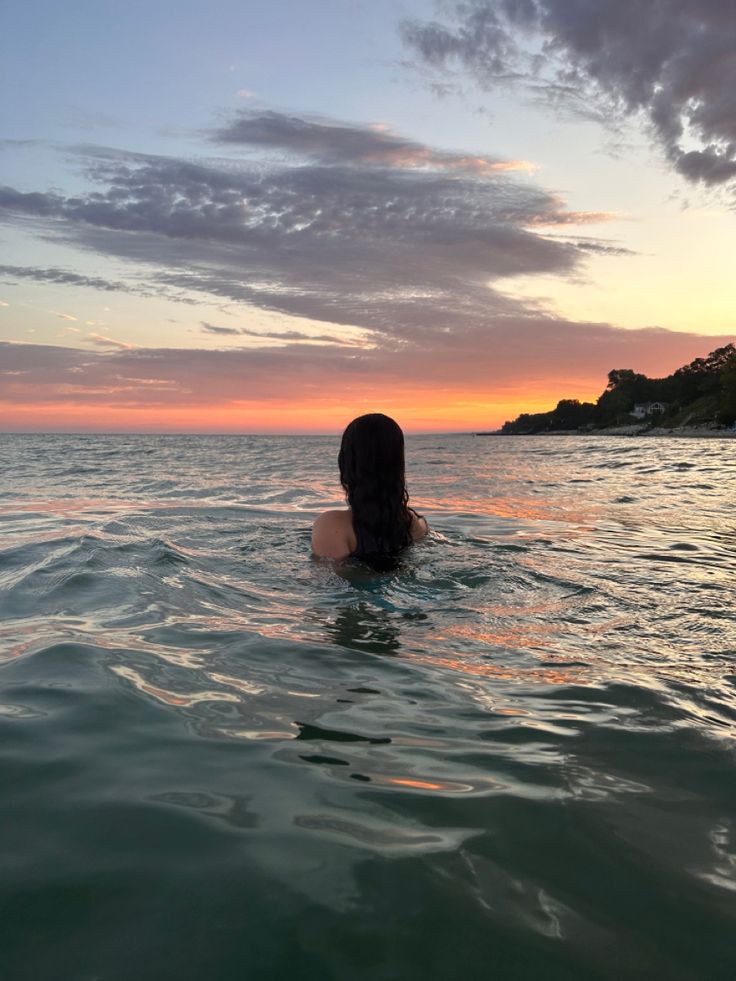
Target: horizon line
x,y
94,432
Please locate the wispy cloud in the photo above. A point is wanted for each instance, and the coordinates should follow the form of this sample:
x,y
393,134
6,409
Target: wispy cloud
x,y
330,142
291,336
61,276
671,62
396,250
102,341
64,277
220,331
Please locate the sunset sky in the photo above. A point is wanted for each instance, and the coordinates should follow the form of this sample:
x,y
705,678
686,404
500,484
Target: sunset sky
x,y
241,217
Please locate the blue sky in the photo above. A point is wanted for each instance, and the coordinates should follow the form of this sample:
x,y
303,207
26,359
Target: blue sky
x,y
578,202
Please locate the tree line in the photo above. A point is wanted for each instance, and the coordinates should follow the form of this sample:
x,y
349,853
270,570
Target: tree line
x,y
702,392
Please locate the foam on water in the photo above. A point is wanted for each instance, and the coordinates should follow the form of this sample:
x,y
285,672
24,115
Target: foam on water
x,y
512,757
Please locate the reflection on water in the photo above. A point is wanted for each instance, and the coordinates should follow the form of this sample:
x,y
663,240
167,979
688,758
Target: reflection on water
x,y
518,744
363,628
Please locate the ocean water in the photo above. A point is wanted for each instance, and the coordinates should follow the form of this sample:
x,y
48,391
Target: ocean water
x,y
511,758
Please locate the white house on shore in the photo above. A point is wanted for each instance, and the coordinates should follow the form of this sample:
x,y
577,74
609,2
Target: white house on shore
x,y
644,409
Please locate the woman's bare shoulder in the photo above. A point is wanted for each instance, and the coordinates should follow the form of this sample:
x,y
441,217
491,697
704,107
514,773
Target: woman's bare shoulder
x,y
419,526
333,536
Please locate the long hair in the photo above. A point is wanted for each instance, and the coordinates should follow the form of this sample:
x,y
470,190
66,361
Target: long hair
x,y
371,462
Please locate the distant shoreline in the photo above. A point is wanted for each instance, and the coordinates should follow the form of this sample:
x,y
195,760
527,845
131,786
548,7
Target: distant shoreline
x,y
682,432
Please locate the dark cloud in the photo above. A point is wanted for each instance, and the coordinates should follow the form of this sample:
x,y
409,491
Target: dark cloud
x,y
36,204
396,251
332,143
327,208
671,62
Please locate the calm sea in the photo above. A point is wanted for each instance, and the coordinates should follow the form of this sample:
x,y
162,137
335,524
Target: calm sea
x,y
511,758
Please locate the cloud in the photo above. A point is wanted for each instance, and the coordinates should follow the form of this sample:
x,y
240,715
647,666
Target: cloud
x,y
60,276
396,250
4,304
413,258
670,62
224,331
525,353
64,316
282,335
299,336
597,247
9,144
330,142
102,341
64,277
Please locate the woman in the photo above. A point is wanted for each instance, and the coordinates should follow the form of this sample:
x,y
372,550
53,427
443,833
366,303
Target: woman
x,y
379,521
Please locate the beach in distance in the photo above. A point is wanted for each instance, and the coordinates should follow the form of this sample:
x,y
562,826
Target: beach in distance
x,y
510,756
681,432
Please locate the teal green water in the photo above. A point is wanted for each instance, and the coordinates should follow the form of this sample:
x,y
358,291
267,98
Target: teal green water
x,y
511,758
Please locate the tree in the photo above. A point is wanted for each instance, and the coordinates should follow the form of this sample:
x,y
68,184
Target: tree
x,y
708,382
703,375
727,396
624,389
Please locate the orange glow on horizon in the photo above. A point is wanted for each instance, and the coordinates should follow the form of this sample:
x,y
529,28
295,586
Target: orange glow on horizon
x,y
417,411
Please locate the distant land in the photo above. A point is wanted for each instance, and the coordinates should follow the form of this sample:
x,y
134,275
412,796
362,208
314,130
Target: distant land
x,y
697,399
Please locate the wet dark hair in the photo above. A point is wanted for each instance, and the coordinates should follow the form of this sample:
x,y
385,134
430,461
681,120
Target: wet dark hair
x,y
371,462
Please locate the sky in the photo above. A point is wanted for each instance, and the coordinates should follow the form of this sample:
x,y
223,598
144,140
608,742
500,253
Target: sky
x,y
246,217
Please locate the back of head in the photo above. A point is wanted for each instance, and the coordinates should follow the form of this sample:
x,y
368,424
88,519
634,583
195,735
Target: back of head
x,y
371,462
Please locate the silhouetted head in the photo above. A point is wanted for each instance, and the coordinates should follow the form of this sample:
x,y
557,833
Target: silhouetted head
x,y
371,462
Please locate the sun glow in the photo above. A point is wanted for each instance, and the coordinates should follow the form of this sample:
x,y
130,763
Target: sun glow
x,y
417,410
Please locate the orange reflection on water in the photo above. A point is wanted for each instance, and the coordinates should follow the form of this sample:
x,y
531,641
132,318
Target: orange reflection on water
x,y
444,787
542,675
419,784
240,683
519,637
519,508
509,610
184,699
501,508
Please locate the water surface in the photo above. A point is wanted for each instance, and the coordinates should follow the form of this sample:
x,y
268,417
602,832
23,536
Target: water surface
x,y
513,757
